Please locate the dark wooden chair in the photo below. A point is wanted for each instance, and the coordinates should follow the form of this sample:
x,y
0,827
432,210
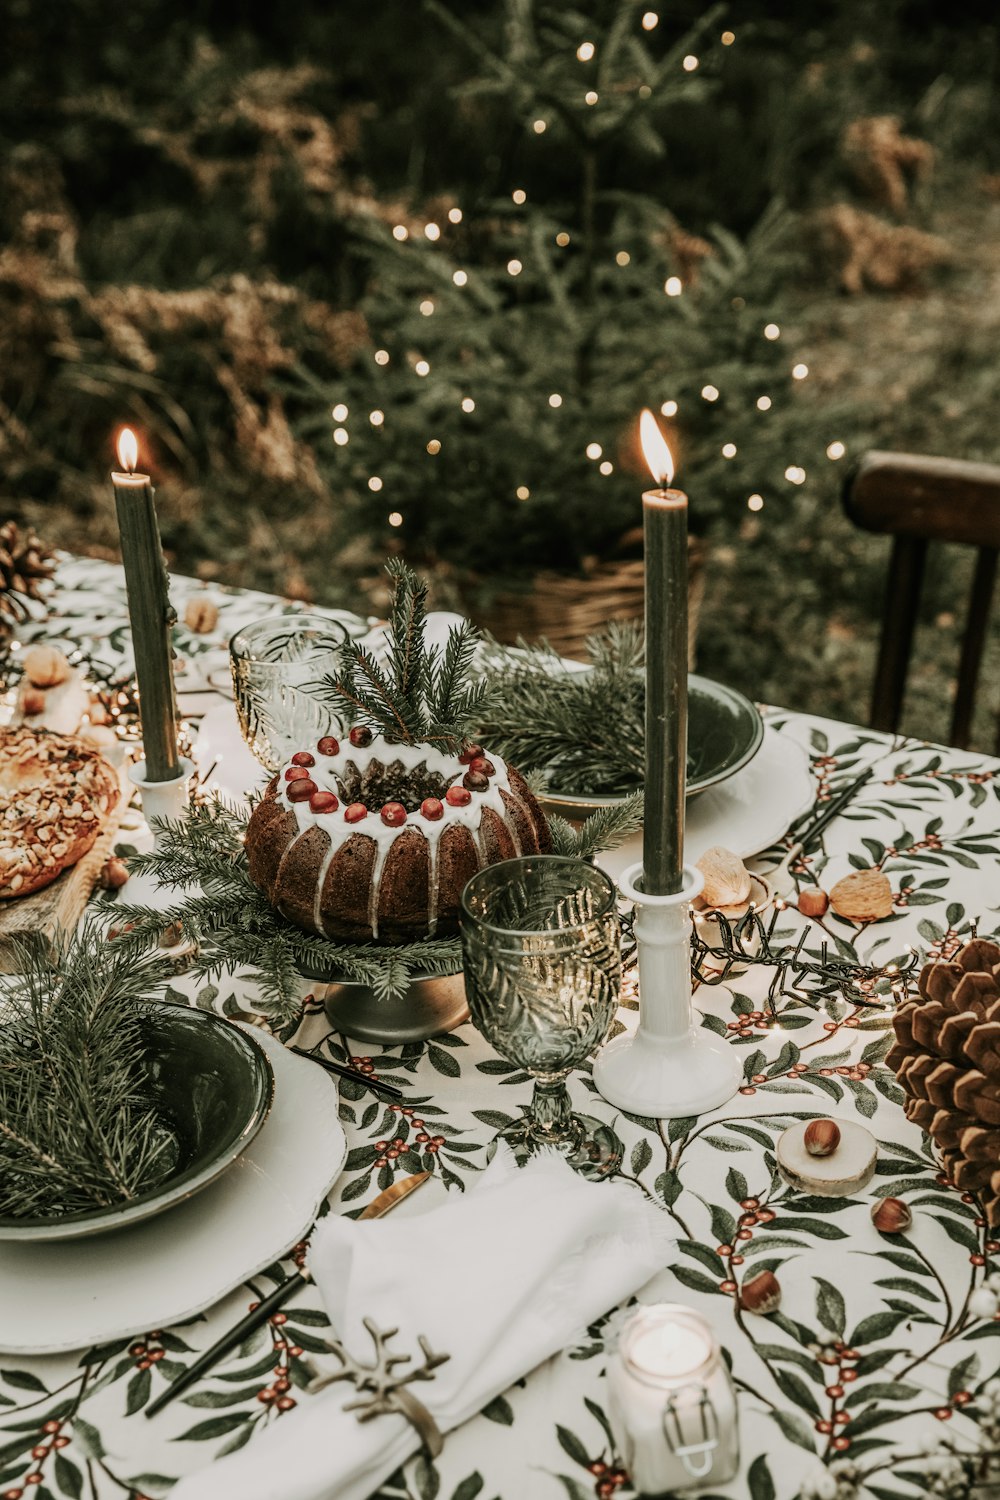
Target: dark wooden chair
x,y
918,500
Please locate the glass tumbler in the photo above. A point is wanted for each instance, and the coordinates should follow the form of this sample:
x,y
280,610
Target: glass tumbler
x,y
279,666
542,959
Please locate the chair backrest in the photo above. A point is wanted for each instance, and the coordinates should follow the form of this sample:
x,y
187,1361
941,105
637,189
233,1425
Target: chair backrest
x,y
917,500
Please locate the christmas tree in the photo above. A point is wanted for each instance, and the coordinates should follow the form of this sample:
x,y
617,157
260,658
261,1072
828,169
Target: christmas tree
x,y
490,427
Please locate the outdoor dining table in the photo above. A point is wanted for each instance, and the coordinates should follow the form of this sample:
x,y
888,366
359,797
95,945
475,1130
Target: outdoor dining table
x,y
876,1353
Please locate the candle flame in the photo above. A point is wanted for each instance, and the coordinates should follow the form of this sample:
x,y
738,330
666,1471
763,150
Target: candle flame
x,y
128,450
655,450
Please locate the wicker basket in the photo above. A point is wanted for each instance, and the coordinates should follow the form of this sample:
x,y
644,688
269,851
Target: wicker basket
x,y
564,610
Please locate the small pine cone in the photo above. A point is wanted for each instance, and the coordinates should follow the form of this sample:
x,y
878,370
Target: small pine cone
x,y
947,1058
25,563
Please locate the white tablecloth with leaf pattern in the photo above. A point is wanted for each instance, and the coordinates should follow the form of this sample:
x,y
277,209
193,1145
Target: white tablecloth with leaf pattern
x,y
880,1350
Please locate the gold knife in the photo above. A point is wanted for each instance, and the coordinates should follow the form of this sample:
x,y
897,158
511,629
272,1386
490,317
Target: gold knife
x,y
393,1195
386,1201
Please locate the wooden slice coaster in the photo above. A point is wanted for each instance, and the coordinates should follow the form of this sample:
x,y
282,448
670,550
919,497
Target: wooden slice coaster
x,y
845,1171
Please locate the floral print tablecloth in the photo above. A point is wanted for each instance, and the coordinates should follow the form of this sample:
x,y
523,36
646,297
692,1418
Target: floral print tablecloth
x,y
880,1360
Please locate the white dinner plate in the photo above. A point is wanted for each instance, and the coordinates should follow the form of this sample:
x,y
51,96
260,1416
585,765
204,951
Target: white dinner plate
x,y
59,1297
745,814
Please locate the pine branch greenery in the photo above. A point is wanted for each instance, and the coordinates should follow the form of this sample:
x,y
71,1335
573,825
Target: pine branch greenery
x,y
604,829
425,693
581,732
234,927
78,1129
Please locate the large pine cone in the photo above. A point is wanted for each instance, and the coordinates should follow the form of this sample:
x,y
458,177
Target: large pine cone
x,y
25,563
947,1058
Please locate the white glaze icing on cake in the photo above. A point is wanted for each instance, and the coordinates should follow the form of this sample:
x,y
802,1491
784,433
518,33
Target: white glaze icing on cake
x,y
419,764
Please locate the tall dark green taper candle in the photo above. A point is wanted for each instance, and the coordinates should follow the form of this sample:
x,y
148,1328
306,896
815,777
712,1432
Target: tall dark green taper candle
x,y
665,518
149,611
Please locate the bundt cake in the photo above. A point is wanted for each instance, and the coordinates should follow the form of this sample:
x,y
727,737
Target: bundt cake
x,y
374,840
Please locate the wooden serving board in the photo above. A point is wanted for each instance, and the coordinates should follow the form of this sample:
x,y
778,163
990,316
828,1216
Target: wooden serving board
x,y
57,908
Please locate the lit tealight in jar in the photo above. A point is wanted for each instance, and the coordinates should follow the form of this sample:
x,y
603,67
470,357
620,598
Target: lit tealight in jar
x,y
671,1402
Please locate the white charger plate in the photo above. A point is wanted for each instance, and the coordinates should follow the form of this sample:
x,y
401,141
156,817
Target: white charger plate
x,y
745,814
55,1298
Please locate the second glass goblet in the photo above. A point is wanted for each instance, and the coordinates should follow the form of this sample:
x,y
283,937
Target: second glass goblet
x,y
279,666
542,957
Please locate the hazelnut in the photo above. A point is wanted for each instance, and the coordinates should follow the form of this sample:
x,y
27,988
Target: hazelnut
x,y
114,873
45,666
201,614
97,713
761,1294
813,902
822,1137
891,1216
32,702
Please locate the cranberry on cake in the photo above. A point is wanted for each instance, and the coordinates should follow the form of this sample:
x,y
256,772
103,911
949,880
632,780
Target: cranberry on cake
x,y
370,836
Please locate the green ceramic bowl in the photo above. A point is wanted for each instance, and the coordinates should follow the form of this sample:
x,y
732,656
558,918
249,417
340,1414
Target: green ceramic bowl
x,y
725,731
214,1085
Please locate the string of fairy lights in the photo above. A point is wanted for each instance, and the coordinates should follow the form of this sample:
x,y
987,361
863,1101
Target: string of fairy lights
x,y
794,474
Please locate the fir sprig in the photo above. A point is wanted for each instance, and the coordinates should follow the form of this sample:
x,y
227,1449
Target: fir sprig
x,y
424,693
582,732
408,655
78,1129
235,928
605,829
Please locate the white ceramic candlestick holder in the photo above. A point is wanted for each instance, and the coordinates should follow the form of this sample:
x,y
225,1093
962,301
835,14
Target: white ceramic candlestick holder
x,y
162,801
672,1067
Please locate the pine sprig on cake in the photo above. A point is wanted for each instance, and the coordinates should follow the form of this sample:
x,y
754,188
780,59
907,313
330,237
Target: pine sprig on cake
x,y
424,694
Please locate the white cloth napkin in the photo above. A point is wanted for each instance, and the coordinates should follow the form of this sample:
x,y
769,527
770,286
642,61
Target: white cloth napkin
x,y
500,1277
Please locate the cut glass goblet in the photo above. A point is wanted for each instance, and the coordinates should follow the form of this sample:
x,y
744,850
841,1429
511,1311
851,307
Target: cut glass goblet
x,y
542,958
279,669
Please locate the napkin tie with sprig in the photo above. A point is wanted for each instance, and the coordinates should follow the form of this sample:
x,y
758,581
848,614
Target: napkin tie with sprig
x,y
500,1278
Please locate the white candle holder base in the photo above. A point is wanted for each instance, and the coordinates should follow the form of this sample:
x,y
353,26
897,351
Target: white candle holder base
x,y
162,801
672,1067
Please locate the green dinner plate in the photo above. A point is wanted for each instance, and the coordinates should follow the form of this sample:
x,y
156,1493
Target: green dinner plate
x,y
725,731
213,1085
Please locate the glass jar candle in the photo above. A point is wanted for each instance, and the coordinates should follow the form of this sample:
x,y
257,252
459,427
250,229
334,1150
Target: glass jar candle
x,y
671,1401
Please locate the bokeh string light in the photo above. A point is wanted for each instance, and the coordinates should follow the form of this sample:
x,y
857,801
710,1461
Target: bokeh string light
x,y
429,237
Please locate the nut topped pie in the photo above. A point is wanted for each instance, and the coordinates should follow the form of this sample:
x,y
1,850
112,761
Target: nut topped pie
x,y
55,794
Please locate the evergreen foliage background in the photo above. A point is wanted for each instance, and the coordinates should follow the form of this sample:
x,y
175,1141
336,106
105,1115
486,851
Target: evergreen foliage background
x,y
196,237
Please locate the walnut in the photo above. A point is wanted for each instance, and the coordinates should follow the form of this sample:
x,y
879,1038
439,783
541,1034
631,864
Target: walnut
x,y
45,666
862,896
201,614
727,880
